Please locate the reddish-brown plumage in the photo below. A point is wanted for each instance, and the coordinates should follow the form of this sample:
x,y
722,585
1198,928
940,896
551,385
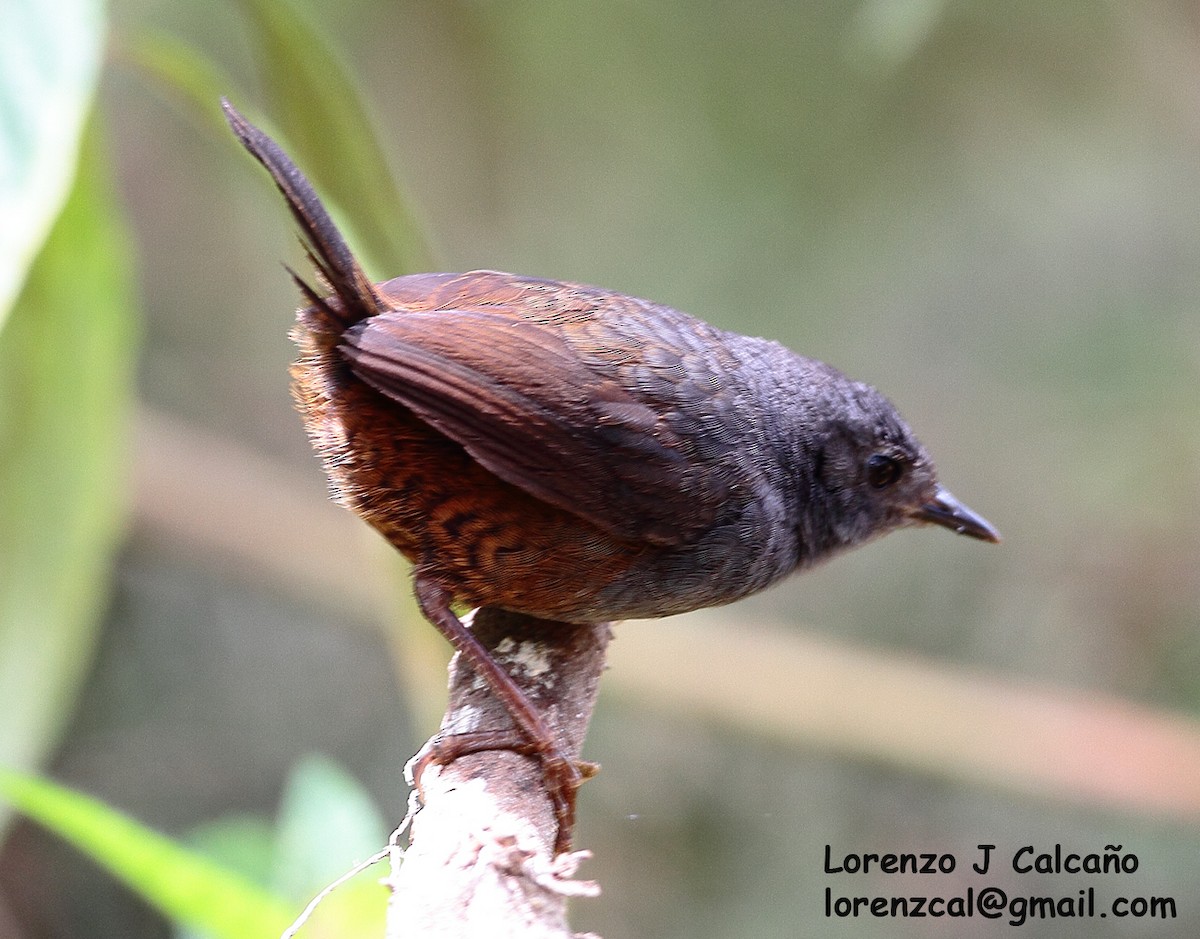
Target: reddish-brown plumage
x,y
487,539
581,455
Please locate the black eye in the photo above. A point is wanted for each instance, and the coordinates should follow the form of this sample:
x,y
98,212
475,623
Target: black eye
x,y
883,471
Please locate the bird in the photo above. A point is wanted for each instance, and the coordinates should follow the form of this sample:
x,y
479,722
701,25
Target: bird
x,y
577,454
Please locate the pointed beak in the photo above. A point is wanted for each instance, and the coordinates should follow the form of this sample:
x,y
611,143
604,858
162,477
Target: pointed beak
x,y
945,510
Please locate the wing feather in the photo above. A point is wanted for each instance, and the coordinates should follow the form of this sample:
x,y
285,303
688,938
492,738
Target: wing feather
x,y
523,403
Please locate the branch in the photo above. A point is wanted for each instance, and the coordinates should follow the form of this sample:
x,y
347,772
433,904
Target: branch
x,y
480,858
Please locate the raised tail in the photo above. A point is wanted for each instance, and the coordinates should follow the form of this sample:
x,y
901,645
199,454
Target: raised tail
x,y
325,245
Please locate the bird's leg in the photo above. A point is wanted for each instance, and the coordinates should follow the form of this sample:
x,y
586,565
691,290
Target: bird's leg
x,y
534,737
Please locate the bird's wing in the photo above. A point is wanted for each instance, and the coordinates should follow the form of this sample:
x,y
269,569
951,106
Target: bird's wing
x,y
520,399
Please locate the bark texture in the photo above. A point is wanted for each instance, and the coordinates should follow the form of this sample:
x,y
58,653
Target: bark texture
x,y
480,856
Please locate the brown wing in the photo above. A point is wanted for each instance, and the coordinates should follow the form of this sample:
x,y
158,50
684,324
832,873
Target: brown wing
x,y
524,404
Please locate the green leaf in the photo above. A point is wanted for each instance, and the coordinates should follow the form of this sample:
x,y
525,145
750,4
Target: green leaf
x,y
327,823
184,886
243,843
49,62
185,76
320,110
66,373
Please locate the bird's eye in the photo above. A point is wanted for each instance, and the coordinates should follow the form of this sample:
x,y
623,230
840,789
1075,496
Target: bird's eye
x,y
883,471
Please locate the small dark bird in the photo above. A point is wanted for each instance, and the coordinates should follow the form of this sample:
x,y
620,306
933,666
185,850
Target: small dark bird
x,y
580,455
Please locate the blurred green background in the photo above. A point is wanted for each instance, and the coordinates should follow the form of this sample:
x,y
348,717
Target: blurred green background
x,y
986,209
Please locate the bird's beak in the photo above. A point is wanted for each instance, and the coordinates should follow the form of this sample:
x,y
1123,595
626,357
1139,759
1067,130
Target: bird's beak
x,y
945,510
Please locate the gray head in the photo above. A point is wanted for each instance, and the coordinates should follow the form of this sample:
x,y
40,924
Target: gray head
x,y
868,474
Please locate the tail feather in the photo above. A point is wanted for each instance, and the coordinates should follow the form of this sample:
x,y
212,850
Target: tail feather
x,y
317,302
328,250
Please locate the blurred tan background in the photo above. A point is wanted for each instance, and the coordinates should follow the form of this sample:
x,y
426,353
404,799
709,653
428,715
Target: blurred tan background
x,y
988,210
